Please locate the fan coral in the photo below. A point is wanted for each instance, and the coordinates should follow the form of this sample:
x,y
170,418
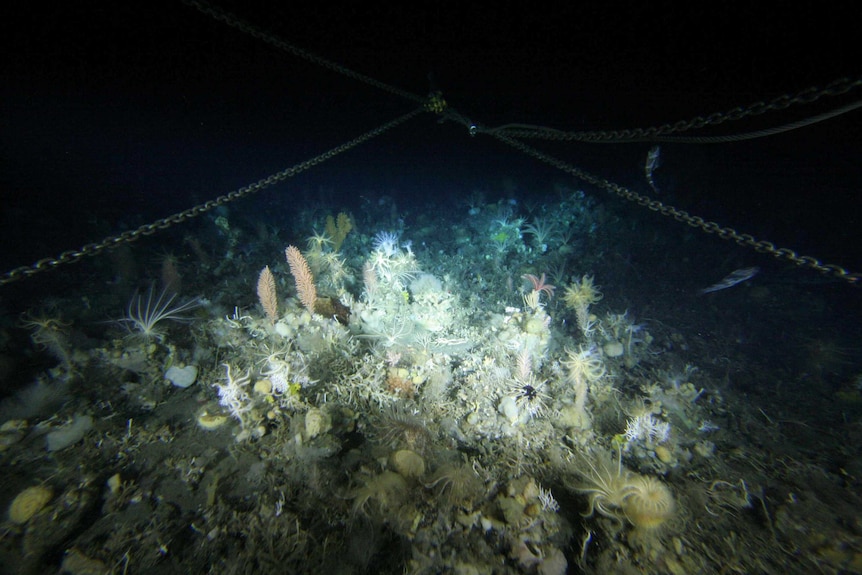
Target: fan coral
x,y
337,229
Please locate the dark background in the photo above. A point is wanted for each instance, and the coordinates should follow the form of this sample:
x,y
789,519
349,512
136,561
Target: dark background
x,y
116,114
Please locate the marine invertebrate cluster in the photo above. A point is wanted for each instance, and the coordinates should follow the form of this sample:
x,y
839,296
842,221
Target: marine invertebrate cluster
x,y
415,408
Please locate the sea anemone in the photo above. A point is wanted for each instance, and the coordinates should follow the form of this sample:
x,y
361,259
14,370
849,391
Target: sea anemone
x,y
387,490
620,494
456,484
605,487
648,502
399,428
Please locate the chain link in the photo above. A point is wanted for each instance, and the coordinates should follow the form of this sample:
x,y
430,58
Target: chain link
x,y
709,227
807,96
276,42
92,249
434,102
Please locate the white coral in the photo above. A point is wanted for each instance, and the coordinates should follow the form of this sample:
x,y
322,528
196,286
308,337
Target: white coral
x,y
546,498
232,394
647,428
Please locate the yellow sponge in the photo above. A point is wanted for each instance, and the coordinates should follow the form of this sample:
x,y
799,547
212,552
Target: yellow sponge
x,y
28,503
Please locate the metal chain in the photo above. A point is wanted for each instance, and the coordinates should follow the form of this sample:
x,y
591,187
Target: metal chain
x,y
724,232
255,32
129,236
807,96
760,133
506,134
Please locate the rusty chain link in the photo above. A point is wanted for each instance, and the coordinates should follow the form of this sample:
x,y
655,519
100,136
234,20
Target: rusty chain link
x,y
92,249
709,227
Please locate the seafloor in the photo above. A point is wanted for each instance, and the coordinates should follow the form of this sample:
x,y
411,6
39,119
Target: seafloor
x,y
495,386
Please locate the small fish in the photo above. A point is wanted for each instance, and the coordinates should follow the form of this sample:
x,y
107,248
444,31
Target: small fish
x,y
653,161
731,280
